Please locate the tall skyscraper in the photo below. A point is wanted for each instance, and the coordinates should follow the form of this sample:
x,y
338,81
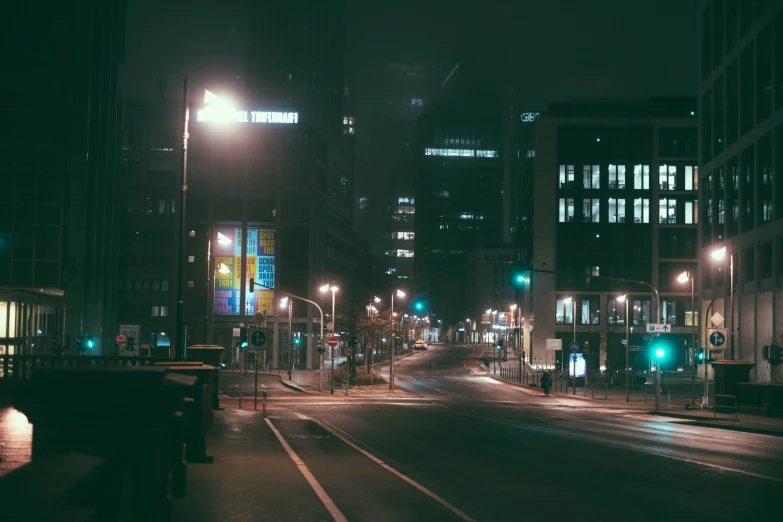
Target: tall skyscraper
x,y
61,105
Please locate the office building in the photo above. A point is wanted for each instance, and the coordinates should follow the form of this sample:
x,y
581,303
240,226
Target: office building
x,y
741,179
264,181
61,105
614,197
462,149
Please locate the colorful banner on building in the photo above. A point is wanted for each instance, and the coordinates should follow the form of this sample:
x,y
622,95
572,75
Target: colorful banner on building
x,y
260,264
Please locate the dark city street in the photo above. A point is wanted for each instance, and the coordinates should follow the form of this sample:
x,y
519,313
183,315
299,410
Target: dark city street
x,y
313,260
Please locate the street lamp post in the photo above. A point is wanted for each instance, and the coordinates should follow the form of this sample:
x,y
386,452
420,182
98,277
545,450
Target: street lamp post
x,y
573,358
683,278
285,302
370,311
288,301
627,301
180,341
719,255
400,294
333,288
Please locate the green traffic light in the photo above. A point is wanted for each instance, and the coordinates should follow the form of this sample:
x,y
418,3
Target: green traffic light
x,y
660,352
419,306
520,278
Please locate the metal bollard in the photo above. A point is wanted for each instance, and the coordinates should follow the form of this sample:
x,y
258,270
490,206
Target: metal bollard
x,y
645,394
345,388
263,402
606,392
669,397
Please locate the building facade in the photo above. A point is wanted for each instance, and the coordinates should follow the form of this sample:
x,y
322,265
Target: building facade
x,y
461,171
614,197
741,179
61,106
263,181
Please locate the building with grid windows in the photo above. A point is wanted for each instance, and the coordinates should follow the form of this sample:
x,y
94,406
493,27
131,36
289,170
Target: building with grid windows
x,y
61,107
741,179
614,194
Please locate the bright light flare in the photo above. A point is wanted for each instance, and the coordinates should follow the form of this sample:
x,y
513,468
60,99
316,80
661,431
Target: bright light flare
x,y
222,239
622,298
719,254
684,277
223,269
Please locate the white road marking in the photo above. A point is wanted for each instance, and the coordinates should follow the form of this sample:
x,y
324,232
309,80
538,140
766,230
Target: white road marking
x,y
325,499
339,434
627,446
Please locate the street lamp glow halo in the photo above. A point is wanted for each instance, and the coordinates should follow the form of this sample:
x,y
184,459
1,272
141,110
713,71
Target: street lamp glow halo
x,y
718,254
622,298
684,277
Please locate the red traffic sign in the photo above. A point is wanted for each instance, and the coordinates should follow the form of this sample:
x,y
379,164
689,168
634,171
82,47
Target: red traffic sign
x,y
333,341
121,340
347,351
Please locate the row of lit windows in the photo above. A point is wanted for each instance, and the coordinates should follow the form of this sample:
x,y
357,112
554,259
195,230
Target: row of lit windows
x,y
637,178
403,235
588,310
150,206
465,153
616,211
400,252
139,285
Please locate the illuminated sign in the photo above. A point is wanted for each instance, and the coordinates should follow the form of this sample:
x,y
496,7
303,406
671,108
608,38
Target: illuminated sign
x,y
529,117
218,113
581,364
260,264
465,153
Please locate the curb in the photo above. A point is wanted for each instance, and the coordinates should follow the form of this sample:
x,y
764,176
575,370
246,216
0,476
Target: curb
x,y
719,424
291,385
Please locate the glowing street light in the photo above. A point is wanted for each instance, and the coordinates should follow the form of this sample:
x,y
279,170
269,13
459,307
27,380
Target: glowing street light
x,y
718,254
623,299
684,278
333,289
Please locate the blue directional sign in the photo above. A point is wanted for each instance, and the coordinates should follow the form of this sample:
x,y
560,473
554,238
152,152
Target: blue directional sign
x,y
658,328
574,346
257,338
716,338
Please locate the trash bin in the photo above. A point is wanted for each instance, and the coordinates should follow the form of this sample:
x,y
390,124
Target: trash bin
x,y
209,354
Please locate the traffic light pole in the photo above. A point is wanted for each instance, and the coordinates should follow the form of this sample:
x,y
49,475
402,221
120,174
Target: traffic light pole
x,y
693,344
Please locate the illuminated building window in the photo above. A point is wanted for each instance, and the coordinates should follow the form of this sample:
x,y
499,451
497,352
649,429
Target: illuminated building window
x,y
404,252
192,233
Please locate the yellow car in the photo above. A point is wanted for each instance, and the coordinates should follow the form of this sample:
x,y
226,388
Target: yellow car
x,y
420,345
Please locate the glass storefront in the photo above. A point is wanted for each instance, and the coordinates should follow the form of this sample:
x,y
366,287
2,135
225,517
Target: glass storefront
x,y
28,318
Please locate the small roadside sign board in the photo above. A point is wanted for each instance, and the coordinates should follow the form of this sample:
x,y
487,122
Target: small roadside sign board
x,y
716,319
554,344
256,337
574,346
235,332
634,348
333,341
716,338
347,351
659,328
121,340
258,318
625,341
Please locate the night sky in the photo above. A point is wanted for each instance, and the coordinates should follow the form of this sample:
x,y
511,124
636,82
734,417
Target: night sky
x,y
558,49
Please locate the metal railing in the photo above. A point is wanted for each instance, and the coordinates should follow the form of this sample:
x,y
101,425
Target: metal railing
x,y
715,405
23,366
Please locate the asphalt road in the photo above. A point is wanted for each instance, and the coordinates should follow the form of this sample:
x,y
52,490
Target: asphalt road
x,y
271,383
461,446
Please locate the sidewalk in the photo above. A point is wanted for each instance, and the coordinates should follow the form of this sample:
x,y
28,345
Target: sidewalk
x,y
251,478
674,408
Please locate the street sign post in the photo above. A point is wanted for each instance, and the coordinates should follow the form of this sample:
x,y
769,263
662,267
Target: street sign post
x,y
257,337
347,351
716,339
574,346
333,341
121,339
658,328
